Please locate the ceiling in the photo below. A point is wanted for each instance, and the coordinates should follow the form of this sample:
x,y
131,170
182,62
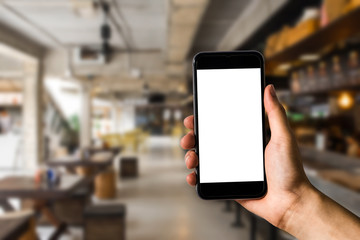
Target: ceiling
x,y
77,22
156,37
216,21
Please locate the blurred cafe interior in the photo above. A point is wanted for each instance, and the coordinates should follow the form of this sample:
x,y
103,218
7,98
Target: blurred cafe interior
x,y
93,94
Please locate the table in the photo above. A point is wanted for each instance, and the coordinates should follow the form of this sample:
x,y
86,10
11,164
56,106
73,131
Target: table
x,y
96,163
99,159
114,150
25,187
89,167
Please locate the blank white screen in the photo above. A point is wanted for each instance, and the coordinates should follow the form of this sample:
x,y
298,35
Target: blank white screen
x,y
230,125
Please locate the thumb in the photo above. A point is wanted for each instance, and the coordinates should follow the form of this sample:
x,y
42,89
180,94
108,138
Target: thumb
x,y
276,113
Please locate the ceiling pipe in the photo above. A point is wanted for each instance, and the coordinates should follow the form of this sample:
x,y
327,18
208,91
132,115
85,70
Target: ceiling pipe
x,y
117,26
124,21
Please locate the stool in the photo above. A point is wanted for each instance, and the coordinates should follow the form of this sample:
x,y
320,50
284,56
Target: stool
x,y
70,210
128,167
104,222
105,184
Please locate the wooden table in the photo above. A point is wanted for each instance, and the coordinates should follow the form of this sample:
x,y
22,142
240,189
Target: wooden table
x,y
89,168
25,187
100,159
115,150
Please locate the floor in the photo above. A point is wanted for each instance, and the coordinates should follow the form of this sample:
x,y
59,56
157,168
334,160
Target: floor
x,y
160,205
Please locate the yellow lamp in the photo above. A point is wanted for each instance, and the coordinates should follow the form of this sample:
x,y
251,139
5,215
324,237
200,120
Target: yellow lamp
x,y
345,100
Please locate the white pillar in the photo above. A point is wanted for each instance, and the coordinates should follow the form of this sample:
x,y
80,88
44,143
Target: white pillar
x,y
32,115
114,116
86,116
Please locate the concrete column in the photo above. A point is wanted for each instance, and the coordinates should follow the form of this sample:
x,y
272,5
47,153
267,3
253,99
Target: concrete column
x,y
32,114
86,116
19,46
115,116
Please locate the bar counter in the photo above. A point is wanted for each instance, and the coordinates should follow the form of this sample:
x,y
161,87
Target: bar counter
x,y
335,174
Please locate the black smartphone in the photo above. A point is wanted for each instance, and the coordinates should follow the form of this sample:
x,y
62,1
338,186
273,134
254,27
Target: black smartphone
x,y
229,124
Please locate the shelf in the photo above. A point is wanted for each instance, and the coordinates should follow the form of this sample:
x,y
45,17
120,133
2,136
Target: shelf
x,y
339,30
330,90
289,13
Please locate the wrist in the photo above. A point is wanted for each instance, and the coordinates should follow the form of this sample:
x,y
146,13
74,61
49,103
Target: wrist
x,y
315,216
298,215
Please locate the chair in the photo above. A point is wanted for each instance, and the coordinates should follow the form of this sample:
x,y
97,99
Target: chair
x,y
128,167
70,210
104,222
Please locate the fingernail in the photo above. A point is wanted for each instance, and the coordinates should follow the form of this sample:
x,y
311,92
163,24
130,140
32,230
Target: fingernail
x,y
272,91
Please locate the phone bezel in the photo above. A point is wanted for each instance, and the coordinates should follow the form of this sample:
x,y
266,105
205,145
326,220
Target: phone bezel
x,y
229,60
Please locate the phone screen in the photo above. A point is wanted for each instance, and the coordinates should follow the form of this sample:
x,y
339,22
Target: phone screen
x,y
230,125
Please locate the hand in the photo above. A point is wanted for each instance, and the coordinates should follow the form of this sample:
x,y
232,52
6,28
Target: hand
x,y
285,175
291,203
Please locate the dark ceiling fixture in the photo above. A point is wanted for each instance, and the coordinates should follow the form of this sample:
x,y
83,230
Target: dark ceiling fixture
x,y
105,32
156,98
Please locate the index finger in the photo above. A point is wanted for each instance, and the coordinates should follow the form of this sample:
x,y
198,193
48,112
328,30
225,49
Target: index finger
x,y
189,122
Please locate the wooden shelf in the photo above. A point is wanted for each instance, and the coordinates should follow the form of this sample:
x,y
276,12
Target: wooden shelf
x,y
339,30
330,90
289,13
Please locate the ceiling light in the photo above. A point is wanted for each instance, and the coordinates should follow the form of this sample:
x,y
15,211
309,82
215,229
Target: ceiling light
x,y
284,66
84,9
309,57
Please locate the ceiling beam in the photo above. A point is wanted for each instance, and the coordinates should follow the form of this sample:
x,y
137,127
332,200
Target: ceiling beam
x,y
184,19
17,40
255,14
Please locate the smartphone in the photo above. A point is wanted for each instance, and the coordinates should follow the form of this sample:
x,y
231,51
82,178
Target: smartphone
x,y
229,124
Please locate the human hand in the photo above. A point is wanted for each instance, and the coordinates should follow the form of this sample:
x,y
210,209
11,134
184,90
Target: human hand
x,y
285,175
291,203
